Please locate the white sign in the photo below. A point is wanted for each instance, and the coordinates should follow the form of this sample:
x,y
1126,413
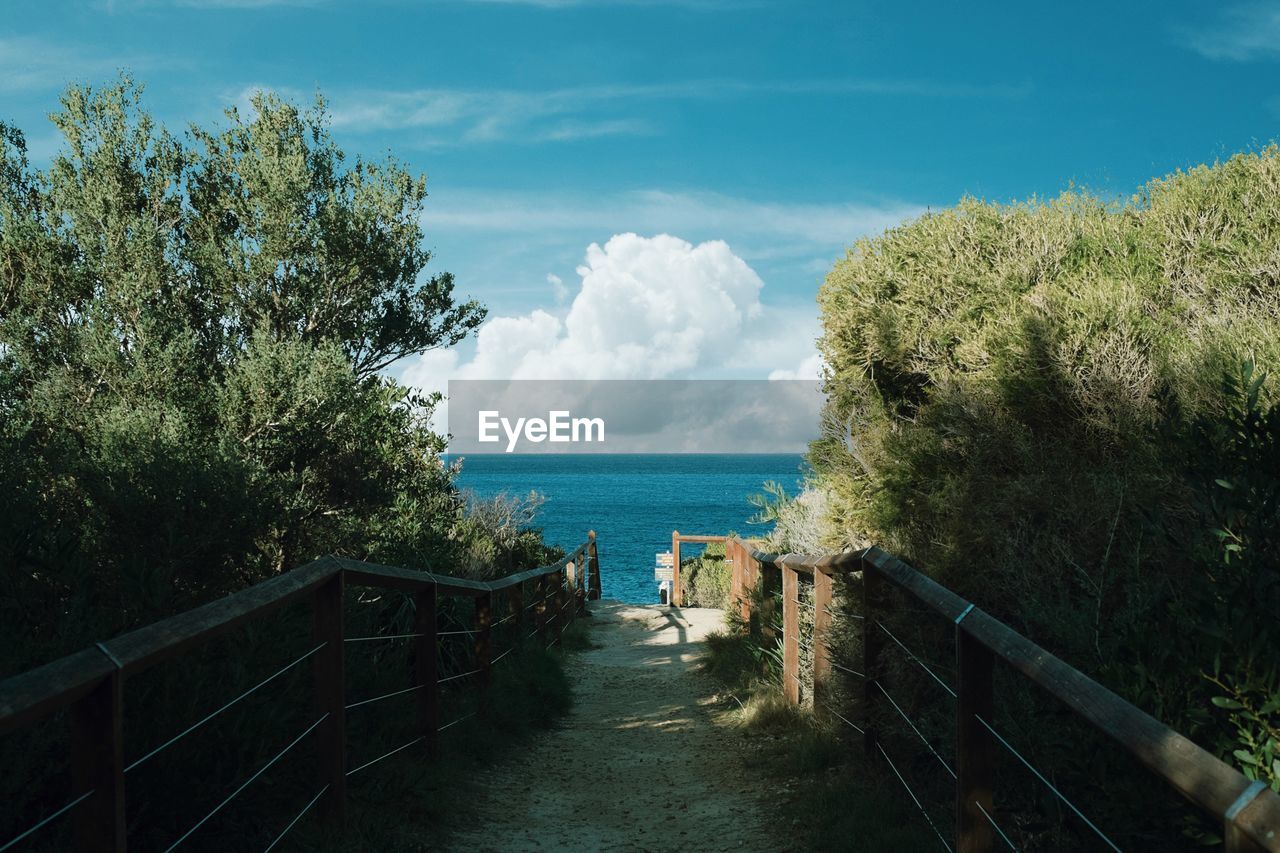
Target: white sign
x,y
664,569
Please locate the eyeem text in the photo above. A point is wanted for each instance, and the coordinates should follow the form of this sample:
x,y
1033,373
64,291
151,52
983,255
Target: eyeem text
x,y
559,426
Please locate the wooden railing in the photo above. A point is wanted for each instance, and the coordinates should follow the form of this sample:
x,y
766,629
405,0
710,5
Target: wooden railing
x,y
1247,810
91,684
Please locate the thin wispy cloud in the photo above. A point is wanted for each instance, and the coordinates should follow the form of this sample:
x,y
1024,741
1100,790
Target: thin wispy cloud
x,y
124,5
1242,33
451,116
702,5
29,64
757,229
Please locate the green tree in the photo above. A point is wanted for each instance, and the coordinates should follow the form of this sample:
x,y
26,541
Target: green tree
x,y
191,337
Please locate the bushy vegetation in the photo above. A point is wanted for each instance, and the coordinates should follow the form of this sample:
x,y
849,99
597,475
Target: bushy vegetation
x,y
192,334
192,331
1058,409
836,800
705,579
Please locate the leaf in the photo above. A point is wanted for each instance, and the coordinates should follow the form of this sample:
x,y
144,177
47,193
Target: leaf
x,y
1246,757
1225,702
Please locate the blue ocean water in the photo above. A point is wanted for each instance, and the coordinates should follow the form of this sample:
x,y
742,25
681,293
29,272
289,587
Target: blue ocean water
x,y
633,501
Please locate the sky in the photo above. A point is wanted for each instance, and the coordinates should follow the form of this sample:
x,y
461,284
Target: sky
x,y
656,188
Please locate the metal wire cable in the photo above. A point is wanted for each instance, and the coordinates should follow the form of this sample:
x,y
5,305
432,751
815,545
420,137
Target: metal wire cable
x,y
996,827
501,656
802,644
171,741
247,782
459,675
380,637
831,612
506,618
454,633
400,748
383,696
910,654
913,796
48,818
296,818
455,722
1048,784
844,719
846,669
915,729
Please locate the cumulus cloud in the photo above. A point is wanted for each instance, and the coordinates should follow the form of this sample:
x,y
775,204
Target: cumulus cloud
x,y
646,308
558,287
809,368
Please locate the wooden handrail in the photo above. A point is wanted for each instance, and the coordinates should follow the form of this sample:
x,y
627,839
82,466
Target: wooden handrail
x,y
90,682
1251,817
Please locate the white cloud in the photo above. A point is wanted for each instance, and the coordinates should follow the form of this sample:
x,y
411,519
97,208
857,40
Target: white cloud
x,y
809,368
456,116
709,5
32,64
772,228
645,308
118,5
1244,32
558,287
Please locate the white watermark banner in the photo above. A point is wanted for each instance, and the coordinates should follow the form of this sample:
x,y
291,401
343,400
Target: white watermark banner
x,y
633,416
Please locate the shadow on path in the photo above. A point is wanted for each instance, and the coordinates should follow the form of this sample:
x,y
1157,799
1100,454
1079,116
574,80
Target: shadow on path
x,y
640,763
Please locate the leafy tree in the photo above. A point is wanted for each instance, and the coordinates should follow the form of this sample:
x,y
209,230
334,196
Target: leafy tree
x,y
192,331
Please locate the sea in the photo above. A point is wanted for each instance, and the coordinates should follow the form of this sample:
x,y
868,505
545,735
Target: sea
x,y
634,502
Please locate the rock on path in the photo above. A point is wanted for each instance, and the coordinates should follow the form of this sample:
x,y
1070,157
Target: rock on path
x,y
639,763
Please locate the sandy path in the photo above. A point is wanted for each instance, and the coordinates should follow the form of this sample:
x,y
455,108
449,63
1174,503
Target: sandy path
x,y
638,764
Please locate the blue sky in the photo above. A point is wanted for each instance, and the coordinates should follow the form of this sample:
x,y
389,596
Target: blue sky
x,y
785,129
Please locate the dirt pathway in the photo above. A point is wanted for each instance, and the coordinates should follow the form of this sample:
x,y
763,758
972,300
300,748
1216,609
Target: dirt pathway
x,y
639,764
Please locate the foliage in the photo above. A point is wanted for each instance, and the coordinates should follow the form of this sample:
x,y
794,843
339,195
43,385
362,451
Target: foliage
x,y
1012,394
832,794
705,579
498,537
1235,599
190,337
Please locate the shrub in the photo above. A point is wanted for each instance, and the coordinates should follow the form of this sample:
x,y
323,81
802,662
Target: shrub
x,y
705,579
1012,389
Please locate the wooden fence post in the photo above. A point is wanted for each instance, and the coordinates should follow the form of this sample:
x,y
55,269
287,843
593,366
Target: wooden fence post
x,y
822,588
975,747
517,608
676,591
595,589
329,671
747,574
872,602
578,586
564,596
483,626
97,764
769,582
426,670
790,634
540,608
